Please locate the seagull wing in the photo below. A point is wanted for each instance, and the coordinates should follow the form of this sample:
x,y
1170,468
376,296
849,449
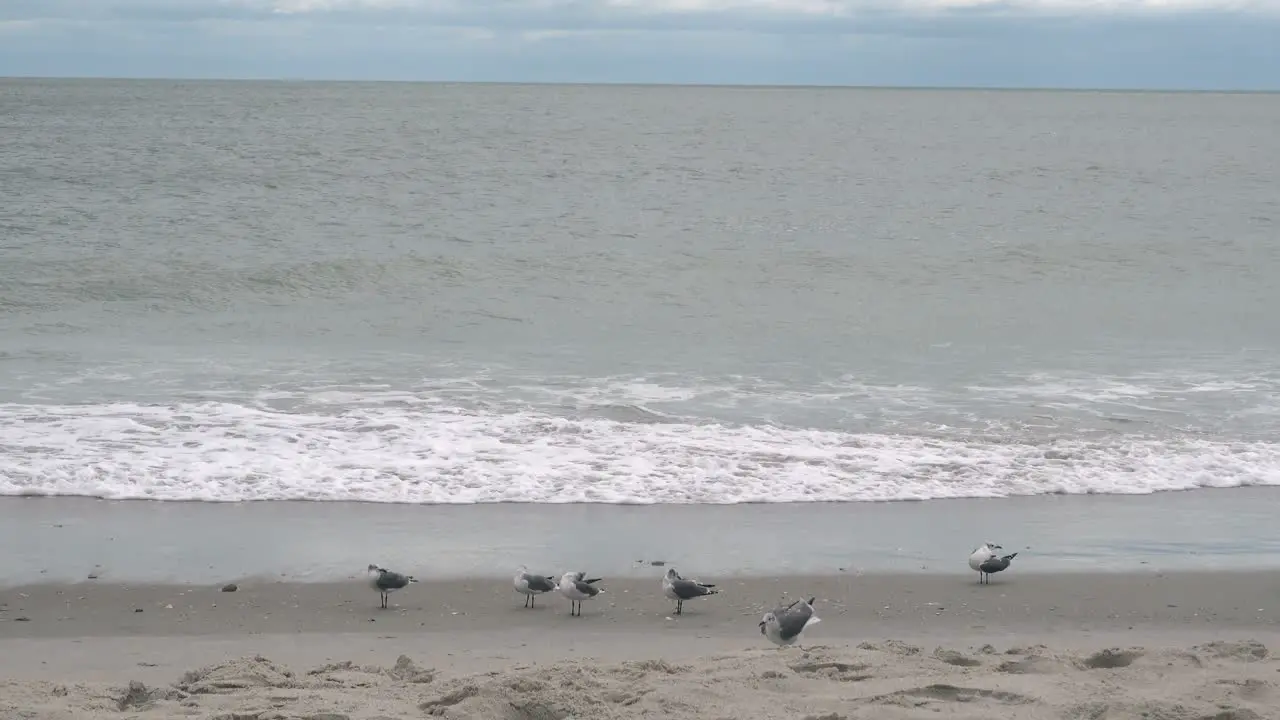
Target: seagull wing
x,y
687,589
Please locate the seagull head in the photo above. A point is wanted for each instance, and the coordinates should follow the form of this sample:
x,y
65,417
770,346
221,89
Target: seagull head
x,y
672,574
764,622
375,568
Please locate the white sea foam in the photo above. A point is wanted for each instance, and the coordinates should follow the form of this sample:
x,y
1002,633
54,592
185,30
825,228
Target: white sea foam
x,y
425,452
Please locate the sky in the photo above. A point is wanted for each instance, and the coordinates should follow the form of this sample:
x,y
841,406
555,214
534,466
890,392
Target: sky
x,y
1107,44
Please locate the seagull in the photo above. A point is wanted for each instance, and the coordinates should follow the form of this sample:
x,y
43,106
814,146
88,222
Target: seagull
x,y
981,554
531,585
783,625
388,582
678,589
994,565
576,589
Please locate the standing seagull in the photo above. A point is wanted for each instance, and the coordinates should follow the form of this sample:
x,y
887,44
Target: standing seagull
x,y
576,589
981,554
531,585
994,565
678,589
783,625
388,582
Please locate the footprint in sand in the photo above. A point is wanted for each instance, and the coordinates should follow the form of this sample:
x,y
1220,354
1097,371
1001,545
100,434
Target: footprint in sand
x,y
942,693
956,658
842,672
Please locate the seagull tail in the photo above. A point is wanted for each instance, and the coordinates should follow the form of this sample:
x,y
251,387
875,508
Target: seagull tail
x,y
809,602
413,579
1009,557
813,620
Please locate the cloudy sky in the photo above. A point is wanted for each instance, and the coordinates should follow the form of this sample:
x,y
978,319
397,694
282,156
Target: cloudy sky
x,y
1164,44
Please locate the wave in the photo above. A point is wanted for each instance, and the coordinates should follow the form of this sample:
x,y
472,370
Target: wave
x,y
410,452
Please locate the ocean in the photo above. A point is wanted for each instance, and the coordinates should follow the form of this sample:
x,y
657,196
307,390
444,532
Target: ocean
x,y
433,294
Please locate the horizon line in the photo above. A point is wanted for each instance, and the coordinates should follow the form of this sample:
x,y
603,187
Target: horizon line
x,y
655,84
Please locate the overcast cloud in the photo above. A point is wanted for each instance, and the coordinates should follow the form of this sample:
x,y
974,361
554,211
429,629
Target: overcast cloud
x,y
1176,44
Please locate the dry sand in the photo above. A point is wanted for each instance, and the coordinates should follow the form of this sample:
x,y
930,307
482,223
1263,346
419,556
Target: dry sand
x,y
1185,646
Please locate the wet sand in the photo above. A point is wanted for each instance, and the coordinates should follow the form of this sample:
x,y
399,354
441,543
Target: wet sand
x,y
66,539
852,605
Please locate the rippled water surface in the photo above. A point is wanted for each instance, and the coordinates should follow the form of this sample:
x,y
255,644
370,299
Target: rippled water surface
x,y
460,294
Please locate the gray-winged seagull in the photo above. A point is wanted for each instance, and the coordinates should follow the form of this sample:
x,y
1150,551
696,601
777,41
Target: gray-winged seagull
x,y
531,585
573,586
994,565
388,582
981,554
678,589
783,625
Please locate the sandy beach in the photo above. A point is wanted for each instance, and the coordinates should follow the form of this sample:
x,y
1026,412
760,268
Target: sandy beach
x,y
1175,646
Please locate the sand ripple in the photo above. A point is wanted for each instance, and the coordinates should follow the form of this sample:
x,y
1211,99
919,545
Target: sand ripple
x,y
885,681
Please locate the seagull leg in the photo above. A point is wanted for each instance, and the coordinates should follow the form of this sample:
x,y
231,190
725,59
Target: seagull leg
x,y
679,606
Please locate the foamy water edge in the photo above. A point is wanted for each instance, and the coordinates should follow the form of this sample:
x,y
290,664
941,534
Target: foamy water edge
x,y
229,452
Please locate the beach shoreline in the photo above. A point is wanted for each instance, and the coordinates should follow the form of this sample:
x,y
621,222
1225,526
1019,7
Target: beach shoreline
x,y
68,539
888,646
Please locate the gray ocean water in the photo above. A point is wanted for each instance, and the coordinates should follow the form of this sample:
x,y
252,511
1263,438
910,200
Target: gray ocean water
x,y
467,293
